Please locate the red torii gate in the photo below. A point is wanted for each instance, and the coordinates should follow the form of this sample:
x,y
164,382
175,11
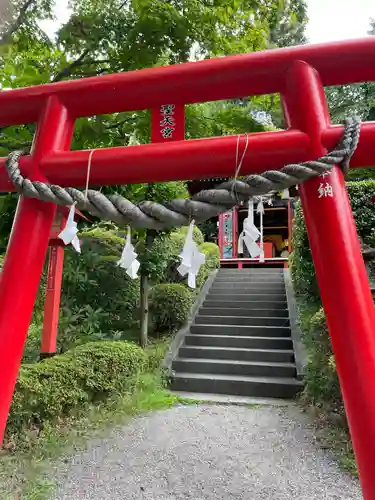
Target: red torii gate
x,y
299,74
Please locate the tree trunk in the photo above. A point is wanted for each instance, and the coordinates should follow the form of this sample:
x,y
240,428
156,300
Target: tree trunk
x,y
144,292
144,310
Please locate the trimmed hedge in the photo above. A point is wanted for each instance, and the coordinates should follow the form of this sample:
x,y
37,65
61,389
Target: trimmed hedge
x,y
56,387
170,306
197,234
212,253
169,249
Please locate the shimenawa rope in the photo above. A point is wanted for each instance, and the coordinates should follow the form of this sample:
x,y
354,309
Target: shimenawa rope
x,y
202,206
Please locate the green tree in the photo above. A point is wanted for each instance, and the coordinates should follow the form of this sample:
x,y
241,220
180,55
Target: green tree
x,y
288,24
122,35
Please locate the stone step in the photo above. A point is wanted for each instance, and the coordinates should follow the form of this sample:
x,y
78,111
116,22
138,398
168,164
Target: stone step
x,y
243,311
238,353
251,271
245,304
234,367
254,285
238,341
249,279
269,387
207,352
240,320
246,295
238,330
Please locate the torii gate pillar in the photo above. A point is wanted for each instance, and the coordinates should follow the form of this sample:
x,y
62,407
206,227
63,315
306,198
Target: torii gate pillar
x,y
340,270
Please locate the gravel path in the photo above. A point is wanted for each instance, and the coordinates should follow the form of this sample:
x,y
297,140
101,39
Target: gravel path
x,y
208,453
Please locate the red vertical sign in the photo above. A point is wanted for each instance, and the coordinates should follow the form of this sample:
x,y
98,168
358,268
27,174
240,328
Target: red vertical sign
x,y
168,123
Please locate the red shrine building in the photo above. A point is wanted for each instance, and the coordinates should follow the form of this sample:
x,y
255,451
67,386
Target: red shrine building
x,y
277,228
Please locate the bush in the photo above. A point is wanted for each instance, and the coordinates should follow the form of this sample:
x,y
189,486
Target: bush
x,y
322,384
197,234
169,249
98,300
170,306
93,282
212,253
302,268
301,264
56,387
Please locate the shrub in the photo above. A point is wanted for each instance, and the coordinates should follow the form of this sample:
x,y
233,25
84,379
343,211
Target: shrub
x,y
58,386
170,306
169,249
212,253
93,282
197,234
98,300
322,385
360,195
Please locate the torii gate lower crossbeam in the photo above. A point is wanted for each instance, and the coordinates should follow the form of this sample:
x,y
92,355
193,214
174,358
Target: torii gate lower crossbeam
x,y
299,75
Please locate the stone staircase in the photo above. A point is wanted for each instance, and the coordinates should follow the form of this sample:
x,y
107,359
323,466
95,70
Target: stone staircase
x,y
240,340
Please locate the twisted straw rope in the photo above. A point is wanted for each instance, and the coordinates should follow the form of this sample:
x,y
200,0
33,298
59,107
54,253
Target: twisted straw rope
x,y
202,206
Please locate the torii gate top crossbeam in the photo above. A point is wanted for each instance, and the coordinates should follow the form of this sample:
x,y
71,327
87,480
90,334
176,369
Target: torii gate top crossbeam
x,y
223,78
263,72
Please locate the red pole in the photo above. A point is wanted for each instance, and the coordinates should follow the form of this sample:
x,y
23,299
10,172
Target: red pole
x,y
25,257
53,291
340,271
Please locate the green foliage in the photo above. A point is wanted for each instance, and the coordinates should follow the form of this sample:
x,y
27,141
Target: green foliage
x,y
289,23
170,306
98,300
212,253
32,456
360,195
58,386
168,248
209,229
221,118
8,204
197,234
119,35
97,294
301,264
322,385
210,249
347,100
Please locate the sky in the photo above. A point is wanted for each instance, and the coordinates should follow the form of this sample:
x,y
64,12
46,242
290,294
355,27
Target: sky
x,y
329,20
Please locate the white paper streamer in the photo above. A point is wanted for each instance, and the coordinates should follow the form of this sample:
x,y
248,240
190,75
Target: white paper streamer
x,y
250,233
191,258
128,259
69,233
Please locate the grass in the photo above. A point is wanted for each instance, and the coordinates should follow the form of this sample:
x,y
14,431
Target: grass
x,y
339,441
334,436
331,433
26,474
